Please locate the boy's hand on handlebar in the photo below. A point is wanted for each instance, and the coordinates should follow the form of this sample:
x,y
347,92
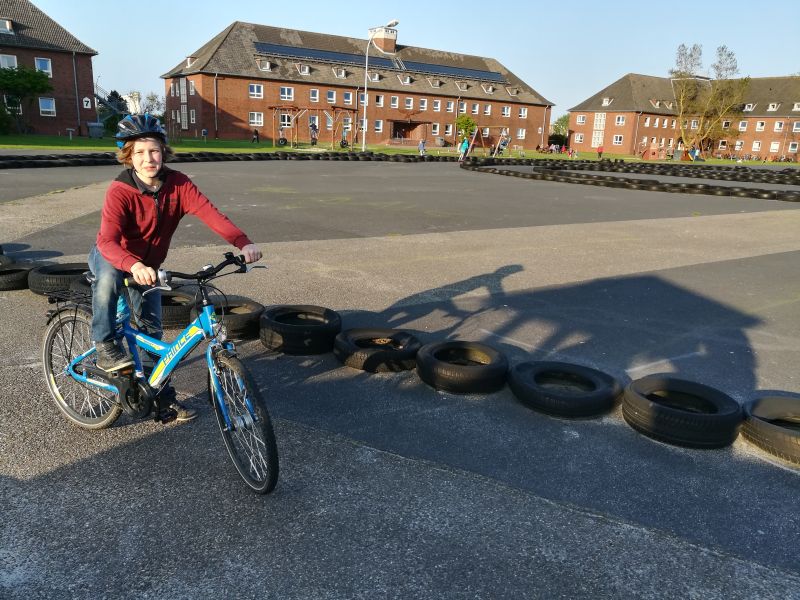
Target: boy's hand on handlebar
x,y
143,275
251,253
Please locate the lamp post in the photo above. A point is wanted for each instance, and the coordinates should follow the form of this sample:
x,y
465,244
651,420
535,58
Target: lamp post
x,y
365,127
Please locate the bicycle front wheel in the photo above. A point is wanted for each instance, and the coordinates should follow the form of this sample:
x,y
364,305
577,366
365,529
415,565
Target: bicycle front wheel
x,y
250,440
68,335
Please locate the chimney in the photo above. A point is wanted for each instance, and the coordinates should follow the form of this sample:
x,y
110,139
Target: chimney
x,y
385,38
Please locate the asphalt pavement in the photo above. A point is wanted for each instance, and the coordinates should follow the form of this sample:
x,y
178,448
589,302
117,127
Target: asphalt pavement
x,y
388,488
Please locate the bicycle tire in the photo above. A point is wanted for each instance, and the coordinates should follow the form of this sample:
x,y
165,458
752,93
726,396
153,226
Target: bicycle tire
x,y
251,446
67,335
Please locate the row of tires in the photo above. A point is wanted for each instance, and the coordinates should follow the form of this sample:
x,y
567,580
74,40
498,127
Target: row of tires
x,y
662,407
88,160
650,185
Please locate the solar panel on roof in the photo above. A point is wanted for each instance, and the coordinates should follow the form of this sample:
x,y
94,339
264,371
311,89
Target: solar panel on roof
x,y
375,61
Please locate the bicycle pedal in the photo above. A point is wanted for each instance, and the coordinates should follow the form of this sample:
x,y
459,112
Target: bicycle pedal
x,y
167,415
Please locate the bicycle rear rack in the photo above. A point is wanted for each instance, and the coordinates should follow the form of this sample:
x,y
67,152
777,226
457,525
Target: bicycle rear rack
x,y
59,297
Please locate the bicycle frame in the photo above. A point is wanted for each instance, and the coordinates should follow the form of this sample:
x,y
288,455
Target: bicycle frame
x,y
170,355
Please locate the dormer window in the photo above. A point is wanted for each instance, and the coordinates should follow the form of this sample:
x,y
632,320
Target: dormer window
x,y
512,91
264,65
749,107
655,103
7,26
773,106
796,106
339,72
462,86
668,104
303,69
488,88
190,60
374,76
435,83
607,101
405,79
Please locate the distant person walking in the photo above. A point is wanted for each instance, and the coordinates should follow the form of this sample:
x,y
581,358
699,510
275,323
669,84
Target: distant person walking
x,y
421,147
256,138
600,151
464,149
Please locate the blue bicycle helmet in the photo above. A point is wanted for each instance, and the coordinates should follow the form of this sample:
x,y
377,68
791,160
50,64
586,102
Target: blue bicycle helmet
x,y
138,126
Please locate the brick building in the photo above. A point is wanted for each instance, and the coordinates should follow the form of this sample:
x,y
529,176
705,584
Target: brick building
x,y
637,113
30,38
281,81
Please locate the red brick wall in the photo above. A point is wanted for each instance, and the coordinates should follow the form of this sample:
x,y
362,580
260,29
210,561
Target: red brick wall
x,y
234,106
68,112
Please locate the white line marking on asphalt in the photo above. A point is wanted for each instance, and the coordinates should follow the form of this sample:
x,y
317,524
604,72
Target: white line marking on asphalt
x,y
663,360
506,339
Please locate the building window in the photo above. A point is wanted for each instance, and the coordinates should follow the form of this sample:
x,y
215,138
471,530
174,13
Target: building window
x,y
313,120
434,129
8,61
773,106
796,106
347,123
506,111
437,106
379,126
742,125
793,147
647,121
192,118
423,104
191,88
655,123
760,125
435,82
778,126
756,146
695,124
286,120
287,93
47,107
450,106
581,119
379,100
264,65
523,112
328,122
620,120
394,102
617,141
796,126
362,124
487,109
462,86
339,72
475,108
409,103
313,95
44,65
670,142
256,90
374,77
521,133
362,99
6,27
448,129
485,132
738,145
749,107
578,138
673,124
664,125
462,107
256,119
172,89
404,79
726,124
723,145
774,146
11,106
607,101
303,69
331,96
348,97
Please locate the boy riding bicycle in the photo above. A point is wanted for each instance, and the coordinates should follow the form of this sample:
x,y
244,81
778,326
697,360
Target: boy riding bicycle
x,y
141,212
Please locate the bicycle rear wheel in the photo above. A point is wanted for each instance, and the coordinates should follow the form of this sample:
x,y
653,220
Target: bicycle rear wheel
x,y
68,335
250,440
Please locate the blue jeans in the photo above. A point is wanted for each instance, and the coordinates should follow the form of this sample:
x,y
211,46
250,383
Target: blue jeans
x,y
107,289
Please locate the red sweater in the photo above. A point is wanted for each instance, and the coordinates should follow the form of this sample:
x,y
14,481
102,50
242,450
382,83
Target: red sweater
x,y
134,227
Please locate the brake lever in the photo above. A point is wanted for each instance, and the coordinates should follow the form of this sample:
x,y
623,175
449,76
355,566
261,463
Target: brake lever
x,y
163,288
249,267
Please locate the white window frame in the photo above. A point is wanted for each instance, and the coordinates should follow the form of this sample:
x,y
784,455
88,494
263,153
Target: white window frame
x,y
756,146
723,145
394,102
462,107
192,116
607,101
6,27
450,106
313,120
760,125
347,124
749,107
409,103
772,107
362,99
476,108
792,147
313,95
192,91
264,65
434,129
726,124
580,120
347,98
423,104
619,120
521,133
487,109
437,106
657,120
255,90
339,72
285,120
404,79
374,76
328,123
778,127
379,126
774,147
647,122
505,111
48,70
617,140
485,132
742,125
523,112
795,126
330,96
47,112
578,138
379,100
17,109
303,69
448,129
695,123
462,86
184,117
6,62
256,119
287,93
738,145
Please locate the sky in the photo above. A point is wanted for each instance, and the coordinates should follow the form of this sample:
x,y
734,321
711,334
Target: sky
x,y
566,51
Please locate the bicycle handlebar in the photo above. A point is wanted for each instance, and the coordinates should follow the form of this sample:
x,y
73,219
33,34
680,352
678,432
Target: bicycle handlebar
x,y
165,277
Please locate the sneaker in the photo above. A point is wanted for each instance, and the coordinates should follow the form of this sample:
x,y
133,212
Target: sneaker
x,y
110,357
169,398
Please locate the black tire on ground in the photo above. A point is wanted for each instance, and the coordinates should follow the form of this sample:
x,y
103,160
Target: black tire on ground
x,y
299,329
377,350
563,389
239,314
5,260
81,284
176,307
773,424
462,367
49,278
13,277
681,412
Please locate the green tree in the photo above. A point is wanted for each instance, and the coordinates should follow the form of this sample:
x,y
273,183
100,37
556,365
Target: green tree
x,y
112,111
702,104
465,125
561,126
19,86
154,104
